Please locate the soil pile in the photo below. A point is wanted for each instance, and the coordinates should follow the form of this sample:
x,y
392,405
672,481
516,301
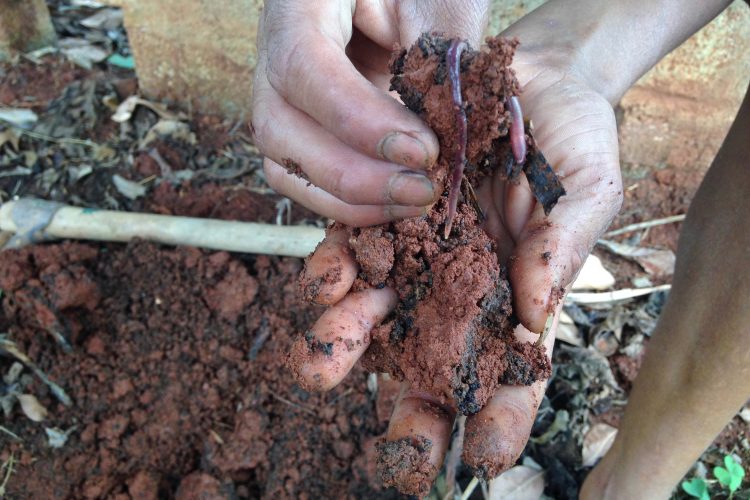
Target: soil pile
x,y
177,379
452,332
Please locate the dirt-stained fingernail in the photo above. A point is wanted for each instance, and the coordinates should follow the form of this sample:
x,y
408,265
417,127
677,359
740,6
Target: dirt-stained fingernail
x,y
410,188
401,212
404,149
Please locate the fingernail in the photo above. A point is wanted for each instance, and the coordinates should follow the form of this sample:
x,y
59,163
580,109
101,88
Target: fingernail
x,y
410,188
403,149
399,212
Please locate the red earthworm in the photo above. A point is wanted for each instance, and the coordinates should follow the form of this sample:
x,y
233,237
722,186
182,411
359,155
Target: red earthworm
x,y
517,134
453,63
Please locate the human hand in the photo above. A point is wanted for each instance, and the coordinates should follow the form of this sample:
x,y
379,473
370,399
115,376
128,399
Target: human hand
x,y
321,106
575,128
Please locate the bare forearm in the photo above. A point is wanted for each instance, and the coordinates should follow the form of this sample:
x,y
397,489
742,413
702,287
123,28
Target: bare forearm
x,y
611,44
696,374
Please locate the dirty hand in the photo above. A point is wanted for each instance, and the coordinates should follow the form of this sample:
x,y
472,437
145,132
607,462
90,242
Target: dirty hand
x,y
575,128
334,139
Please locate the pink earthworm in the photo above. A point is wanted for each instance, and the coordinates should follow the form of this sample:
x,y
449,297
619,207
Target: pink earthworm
x,y
517,134
453,63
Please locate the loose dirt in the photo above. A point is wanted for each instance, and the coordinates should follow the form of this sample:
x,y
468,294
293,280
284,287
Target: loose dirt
x,y
177,378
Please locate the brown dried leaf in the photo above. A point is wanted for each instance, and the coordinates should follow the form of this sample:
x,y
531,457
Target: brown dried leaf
x,y
593,276
518,483
32,408
597,442
654,261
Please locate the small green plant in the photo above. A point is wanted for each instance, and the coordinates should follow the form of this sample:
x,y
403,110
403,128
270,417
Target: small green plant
x,y
729,477
697,488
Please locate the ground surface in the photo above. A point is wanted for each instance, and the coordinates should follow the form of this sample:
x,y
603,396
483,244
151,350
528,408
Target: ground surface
x,y
176,372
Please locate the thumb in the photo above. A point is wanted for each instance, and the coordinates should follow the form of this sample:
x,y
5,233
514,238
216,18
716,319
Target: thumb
x,y
551,250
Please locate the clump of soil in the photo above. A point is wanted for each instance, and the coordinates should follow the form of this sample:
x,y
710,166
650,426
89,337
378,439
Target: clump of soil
x,y
452,334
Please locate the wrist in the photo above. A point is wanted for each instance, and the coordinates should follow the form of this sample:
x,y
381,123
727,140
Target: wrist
x,y
609,45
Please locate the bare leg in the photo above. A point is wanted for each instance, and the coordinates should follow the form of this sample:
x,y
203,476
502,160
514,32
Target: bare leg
x,y
696,374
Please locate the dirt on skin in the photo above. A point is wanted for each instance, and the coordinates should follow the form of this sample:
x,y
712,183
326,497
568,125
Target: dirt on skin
x,y
452,333
177,379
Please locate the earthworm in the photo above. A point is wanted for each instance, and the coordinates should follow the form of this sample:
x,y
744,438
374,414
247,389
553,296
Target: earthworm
x,y
517,134
453,63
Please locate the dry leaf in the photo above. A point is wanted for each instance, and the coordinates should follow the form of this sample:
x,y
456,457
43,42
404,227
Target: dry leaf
x,y
593,276
56,438
32,408
128,189
13,373
597,442
82,52
127,107
105,19
518,483
19,117
567,331
11,137
172,129
745,414
653,261
613,296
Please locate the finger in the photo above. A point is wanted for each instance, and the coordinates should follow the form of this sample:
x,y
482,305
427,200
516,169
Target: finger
x,y
327,205
323,356
305,49
291,138
415,444
550,250
495,437
467,19
330,271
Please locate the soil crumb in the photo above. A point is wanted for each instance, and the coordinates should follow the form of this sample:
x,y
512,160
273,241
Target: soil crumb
x,y
404,463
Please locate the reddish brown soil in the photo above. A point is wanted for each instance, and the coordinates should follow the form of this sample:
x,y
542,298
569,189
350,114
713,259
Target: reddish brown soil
x,y
452,333
29,85
176,377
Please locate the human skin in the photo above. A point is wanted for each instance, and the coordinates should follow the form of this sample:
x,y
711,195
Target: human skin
x,y
572,70
696,373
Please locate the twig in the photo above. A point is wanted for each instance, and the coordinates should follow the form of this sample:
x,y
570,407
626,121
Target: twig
x,y
453,460
295,405
10,347
49,138
8,466
614,296
10,433
342,395
470,488
645,225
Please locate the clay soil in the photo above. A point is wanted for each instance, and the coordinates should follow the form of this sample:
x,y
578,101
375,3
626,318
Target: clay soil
x,y
176,372
176,368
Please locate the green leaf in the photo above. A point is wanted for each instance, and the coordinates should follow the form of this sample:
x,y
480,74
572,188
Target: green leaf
x,y
731,476
697,488
121,62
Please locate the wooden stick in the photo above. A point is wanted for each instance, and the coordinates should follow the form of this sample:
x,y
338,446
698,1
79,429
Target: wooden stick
x,y
645,225
613,296
37,220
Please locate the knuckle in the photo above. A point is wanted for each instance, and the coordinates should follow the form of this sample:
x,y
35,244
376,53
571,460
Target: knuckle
x,y
289,63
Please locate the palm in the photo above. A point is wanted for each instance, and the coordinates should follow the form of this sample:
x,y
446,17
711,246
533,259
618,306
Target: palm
x,y
575,129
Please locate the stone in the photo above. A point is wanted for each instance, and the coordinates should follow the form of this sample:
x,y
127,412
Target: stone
x,y
25,25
